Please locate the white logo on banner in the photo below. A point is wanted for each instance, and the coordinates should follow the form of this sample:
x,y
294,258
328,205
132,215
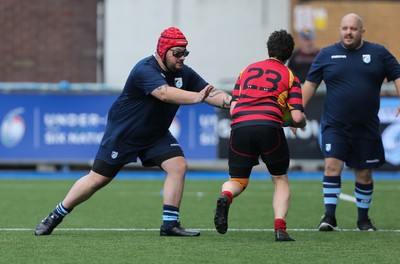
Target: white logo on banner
x,y
12,128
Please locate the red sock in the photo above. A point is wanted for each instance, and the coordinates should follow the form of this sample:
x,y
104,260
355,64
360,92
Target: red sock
x,y
229,194
280,224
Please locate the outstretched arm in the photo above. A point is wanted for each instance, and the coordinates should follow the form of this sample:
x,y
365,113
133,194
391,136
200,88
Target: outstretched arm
x,y
174,95
218,98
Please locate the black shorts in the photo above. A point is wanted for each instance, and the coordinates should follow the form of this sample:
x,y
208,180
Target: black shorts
x,y
108,162
249,143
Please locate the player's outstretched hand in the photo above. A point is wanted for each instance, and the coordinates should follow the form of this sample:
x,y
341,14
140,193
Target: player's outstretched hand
x,y
203,94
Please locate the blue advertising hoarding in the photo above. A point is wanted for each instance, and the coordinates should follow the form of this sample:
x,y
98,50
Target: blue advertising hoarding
x,y
62,128
390,128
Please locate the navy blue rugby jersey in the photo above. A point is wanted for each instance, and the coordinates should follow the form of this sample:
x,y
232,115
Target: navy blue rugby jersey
x,y
137,118
353,81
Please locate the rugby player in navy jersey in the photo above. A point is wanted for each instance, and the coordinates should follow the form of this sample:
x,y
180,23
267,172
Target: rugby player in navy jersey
x,y
138,127
353,71
261,93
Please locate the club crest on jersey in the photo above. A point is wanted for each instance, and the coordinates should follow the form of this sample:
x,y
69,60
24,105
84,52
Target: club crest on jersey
x,y
366,58
114,154
328,147
178,82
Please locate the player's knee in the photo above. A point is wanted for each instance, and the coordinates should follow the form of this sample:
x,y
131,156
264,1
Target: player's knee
x,y
96,181
333,166
332,170
240,176
242,182
175,166
363,176
181,167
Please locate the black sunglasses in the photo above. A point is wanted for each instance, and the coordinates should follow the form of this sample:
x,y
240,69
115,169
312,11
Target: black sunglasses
x,y
178,54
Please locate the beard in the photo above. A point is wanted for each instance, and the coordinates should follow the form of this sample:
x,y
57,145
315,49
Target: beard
x,y
174,67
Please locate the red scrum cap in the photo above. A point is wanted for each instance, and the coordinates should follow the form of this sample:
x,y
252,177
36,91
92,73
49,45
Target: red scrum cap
x,y
171,37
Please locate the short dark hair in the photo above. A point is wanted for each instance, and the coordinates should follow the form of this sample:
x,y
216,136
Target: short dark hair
x,y
280,45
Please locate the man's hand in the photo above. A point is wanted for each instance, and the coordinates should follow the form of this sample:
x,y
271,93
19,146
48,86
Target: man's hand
x,y
217,97
294,129
203,94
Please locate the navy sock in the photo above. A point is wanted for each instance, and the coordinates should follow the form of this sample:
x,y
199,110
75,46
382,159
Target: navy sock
x,y
61,210
170,215
363,194
331,190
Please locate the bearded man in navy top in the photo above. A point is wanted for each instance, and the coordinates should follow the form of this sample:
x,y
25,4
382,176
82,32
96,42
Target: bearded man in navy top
x,y
138,127
353,71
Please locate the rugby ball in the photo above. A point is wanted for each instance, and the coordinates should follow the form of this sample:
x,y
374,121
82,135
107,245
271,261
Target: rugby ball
x,y
287,118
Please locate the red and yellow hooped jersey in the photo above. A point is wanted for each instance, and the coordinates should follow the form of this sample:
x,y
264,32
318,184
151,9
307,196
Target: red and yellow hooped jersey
x,y
262,91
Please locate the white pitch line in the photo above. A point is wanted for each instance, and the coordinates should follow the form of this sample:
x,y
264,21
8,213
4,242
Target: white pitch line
x,y
199,229
348,198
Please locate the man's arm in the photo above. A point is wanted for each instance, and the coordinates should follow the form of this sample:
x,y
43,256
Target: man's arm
x,y
308,90
218,98
174,95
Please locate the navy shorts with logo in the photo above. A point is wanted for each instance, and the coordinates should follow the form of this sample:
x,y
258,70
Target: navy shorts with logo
x,y
358,153
113,160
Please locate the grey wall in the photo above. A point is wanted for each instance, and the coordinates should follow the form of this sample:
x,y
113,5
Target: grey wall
x,y
224,35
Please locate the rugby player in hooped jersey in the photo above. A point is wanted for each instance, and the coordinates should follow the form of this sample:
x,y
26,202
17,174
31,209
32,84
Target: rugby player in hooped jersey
x,y
137,127
261,93
353,71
